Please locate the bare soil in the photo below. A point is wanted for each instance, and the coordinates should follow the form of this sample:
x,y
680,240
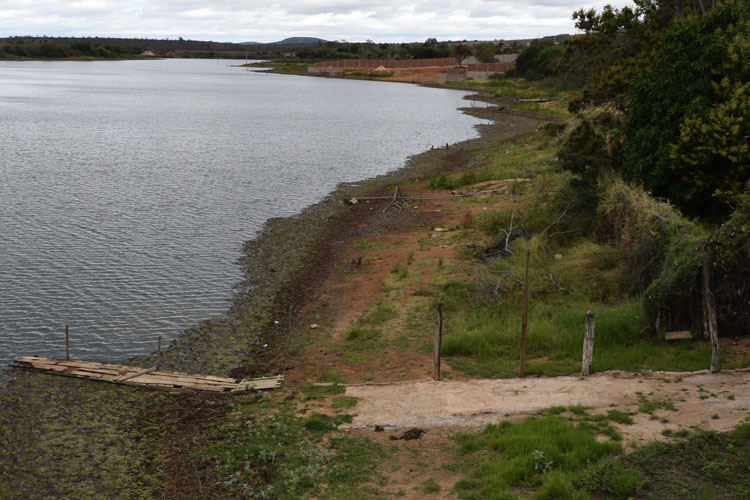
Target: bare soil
x,y
710,401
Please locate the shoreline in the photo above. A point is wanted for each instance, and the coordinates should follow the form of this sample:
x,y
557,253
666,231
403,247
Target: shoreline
x,y
282,261
46,416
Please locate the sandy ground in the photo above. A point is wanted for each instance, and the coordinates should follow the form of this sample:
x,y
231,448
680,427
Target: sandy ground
x,y
709,401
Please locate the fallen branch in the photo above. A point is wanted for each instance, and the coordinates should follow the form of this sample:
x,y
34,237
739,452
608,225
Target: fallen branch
x,y
564,212
559,286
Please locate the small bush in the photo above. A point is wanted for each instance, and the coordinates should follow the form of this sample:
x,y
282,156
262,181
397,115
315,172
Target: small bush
x,y
621,417
441,181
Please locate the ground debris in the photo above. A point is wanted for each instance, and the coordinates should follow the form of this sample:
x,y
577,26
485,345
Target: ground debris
x,y
409,435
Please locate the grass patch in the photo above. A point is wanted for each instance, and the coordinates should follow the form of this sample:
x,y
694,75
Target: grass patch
x,y
619,416
537,455
707,465
344,403
268,452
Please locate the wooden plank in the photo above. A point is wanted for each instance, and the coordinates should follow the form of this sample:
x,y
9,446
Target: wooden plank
x,y
148,377
78,364
680,335
136,374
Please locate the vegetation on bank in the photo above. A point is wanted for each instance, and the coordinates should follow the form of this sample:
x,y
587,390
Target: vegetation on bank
x,y
578,198
20,48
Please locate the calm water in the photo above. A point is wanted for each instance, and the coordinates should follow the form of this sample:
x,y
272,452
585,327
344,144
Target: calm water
x,y
127,188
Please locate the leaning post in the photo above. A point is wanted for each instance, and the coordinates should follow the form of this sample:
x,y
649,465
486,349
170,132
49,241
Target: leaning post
x,y
438,342
67,343
587,365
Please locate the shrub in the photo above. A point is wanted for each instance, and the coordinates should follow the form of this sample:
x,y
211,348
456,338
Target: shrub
x,y
730,247
660,250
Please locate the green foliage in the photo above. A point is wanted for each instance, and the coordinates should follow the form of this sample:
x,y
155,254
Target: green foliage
x,y
538,60
687,120
660,251
461,52
619,416
266,451
485,52
441,181
583,151
706,465
540,454
730,246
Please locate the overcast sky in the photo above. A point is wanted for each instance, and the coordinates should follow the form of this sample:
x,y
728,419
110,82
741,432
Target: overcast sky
x,y
272,20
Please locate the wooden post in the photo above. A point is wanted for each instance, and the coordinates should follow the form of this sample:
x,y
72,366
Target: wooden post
x,y
67,343
158,354
587,365
438,342
524,321
710,307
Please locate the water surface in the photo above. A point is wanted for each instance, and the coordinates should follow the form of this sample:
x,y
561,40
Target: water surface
x,y
128,187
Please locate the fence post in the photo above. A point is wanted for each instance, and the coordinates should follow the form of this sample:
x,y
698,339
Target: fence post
x,y
158,354
67,343
710,308
438,342
524,321
587,365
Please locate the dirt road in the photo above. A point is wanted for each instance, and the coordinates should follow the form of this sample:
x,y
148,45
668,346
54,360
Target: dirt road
x,y
681,400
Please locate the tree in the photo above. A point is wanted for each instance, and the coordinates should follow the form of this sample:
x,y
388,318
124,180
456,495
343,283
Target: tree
x,y
461,52
687,125
485,52
540,59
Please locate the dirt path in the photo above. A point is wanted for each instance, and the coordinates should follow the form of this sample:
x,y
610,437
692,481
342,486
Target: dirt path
x,y
709,401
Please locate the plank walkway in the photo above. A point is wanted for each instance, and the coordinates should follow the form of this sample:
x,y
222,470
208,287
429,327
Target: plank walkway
x,y
148,377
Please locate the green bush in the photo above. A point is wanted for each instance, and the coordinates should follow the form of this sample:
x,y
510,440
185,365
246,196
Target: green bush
x,y
730,246
660,252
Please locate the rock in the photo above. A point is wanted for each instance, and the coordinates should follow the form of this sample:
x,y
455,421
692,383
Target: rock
x,y
558,256
313,326
433,236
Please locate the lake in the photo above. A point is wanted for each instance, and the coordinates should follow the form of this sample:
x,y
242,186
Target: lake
x,y
128,187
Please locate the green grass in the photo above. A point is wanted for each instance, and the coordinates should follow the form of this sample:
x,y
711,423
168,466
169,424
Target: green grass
x,y
619,416
704,466
538,455
282,66
267,451
552,458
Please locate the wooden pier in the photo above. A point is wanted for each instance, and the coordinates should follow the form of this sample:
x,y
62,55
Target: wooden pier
x,y
147,377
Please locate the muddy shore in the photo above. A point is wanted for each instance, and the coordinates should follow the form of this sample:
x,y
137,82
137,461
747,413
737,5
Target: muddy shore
x,y
52,427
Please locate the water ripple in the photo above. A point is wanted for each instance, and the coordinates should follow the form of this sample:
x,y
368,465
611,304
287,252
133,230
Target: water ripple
x,y
127,188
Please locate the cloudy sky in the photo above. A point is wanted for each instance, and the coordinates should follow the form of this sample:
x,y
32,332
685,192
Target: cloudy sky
x,y
272,20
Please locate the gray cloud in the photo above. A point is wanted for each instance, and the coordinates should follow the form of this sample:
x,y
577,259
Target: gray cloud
x,y
236,20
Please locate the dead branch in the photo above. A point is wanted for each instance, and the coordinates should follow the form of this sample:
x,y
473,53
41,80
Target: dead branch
x,y
559,286
509,231
559,217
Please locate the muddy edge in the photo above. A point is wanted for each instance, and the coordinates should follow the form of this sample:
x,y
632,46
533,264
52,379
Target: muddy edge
x,y
282,266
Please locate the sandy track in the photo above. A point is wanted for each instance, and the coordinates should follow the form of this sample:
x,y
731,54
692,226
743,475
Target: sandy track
x,y
711,401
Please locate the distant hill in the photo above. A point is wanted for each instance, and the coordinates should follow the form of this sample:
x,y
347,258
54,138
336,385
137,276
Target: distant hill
x,y
295,40
301,40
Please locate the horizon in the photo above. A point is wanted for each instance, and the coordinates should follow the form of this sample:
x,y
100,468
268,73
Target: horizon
x,y
183,39
232,21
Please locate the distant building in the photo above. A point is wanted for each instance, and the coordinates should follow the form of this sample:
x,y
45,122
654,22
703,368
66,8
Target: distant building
x,y
148,53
